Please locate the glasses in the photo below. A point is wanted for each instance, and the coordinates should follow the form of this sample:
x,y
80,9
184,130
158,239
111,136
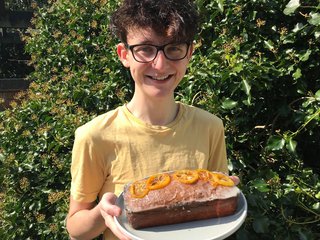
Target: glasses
x,y
145,53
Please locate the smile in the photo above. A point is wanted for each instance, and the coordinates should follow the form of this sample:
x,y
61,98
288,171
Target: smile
x,y
162,78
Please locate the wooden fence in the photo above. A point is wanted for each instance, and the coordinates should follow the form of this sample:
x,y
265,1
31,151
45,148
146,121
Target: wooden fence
x,y
13,60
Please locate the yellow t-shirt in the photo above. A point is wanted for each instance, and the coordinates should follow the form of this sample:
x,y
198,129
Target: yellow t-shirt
x,y
116,148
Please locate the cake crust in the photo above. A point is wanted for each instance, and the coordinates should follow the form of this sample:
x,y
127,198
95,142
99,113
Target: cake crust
x,y
180,214
179,202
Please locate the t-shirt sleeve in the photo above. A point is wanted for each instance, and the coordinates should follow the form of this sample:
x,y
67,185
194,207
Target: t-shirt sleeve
x,y
87,167
218,155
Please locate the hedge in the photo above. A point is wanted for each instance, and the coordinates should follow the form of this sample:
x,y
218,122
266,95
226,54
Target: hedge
x,y
256,65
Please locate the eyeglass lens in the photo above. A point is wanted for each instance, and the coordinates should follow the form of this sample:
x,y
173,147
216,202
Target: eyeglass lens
x,y
147,53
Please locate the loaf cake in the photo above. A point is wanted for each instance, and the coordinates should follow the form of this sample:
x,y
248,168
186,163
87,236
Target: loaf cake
x,y
179,196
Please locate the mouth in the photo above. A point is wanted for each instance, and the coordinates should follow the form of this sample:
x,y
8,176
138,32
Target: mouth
x,y
160,78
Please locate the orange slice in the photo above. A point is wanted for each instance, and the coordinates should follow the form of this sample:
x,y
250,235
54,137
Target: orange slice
x,y
205,175
186,176
222,179
139,189
158,181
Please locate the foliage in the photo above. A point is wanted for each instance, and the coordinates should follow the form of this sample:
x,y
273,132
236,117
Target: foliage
x,y
77,76
256,65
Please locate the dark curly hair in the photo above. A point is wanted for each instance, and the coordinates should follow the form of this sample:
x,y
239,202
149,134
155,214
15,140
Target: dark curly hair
x,y
176,19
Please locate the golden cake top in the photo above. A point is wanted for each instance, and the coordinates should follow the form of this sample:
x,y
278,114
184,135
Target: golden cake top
x,y
141,188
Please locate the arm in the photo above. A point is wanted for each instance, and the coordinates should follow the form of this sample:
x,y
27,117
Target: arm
x,y
89,220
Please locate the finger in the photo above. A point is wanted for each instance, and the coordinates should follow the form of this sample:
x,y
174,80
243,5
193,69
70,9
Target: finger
x,y
112,210
114,228
235,179
108,204
109,197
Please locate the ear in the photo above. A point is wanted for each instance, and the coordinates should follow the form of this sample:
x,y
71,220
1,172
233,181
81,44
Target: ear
x,y
190,51
123,52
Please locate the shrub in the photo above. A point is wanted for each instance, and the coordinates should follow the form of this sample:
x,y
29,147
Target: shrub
x,y
256,65
77,76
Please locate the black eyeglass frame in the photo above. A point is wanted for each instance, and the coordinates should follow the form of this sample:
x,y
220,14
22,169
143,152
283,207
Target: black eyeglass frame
x,y
159,48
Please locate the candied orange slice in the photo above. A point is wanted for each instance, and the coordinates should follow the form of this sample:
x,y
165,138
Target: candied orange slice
x,y
186,176
138,189
158,181
222,179
214,184
205,175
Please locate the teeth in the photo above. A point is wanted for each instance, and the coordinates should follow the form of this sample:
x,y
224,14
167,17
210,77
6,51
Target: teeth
x,y
160,78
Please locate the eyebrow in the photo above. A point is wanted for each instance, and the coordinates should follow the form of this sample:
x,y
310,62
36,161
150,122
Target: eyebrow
x,y
147,42
144,42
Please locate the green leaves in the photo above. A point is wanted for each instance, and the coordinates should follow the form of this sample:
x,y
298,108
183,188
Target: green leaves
x,y
229,104
291,145
291,7
70,49
220,5
315,19
317,95
297,74
264,70
275,143
256,65
260,185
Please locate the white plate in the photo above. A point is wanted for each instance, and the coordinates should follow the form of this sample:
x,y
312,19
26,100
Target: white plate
x,y
210,229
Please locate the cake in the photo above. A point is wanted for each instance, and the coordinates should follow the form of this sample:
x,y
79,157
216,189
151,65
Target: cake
x,y
179,196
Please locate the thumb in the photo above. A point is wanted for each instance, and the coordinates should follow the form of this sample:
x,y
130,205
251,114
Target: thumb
x,y
109,206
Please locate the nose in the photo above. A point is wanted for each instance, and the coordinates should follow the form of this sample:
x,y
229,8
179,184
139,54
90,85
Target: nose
x,y
160,60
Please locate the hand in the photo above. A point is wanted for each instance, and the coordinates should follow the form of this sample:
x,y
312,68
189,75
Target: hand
x,y
235,179
108,210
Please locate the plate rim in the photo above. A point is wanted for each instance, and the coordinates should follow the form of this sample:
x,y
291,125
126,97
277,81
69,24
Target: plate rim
x,y
242,214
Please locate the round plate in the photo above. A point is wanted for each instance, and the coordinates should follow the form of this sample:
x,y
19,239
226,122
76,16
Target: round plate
x,y
209,229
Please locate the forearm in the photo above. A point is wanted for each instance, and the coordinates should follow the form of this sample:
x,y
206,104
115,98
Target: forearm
x,y
85,224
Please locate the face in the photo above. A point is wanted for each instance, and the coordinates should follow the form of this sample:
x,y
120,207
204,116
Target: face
x,y
158,78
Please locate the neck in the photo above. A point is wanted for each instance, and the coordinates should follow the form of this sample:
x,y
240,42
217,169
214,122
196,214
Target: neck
x,y
160,112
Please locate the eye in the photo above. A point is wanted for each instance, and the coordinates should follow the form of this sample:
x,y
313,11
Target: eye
x,y
144,49
175,48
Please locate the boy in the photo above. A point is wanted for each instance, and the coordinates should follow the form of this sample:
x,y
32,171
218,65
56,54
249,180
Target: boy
x,y
152,133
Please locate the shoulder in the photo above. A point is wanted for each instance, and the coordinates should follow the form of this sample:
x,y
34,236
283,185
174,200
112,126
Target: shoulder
x,y
98,124
201,116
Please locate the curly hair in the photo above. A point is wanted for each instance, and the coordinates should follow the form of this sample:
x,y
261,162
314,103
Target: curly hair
x,y
175,19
